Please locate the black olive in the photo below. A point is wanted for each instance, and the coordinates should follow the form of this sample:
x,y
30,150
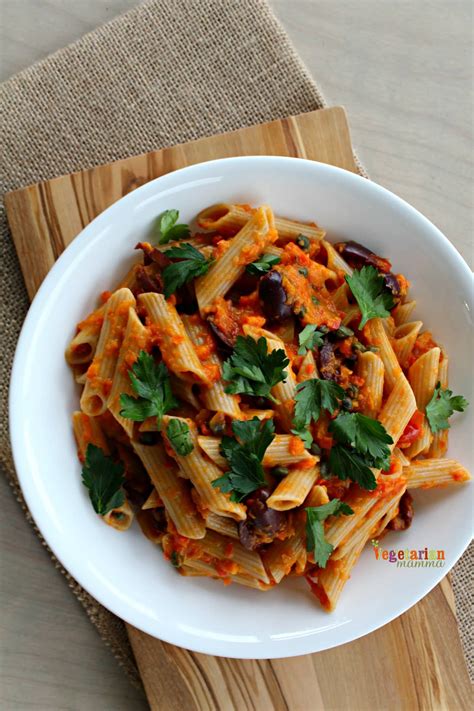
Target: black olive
x,y
224,343
329,365
355,252
391,282
187,302
262,523
273,297
244,285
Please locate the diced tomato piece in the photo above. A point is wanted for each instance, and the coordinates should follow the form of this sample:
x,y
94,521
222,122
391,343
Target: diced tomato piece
x,y
412,431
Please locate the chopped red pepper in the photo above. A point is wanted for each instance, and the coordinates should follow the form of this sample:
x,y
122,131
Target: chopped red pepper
x,y
412,431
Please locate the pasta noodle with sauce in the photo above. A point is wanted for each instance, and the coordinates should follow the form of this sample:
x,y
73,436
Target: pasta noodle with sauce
x,y
260,401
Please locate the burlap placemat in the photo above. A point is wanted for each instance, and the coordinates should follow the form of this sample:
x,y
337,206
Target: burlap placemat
x,y
166,72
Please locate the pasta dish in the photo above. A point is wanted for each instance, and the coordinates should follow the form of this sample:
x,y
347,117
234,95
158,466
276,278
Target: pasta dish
x,y
260,400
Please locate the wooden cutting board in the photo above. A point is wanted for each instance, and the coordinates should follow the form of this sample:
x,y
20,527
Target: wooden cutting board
x,y
416,662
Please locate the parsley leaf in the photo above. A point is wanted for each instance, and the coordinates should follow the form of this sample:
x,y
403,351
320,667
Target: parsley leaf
x,y
366,435
245,453
192,264
348,464
179,437
252,370
441,406
262,265
371,293
104,478
150,381
254,436
309,338
315,540
312,396
169,230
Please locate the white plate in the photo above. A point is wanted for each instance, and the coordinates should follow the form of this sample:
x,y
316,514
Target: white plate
x,y
124,571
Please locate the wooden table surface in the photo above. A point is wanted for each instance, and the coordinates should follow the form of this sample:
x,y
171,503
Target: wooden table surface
x,y
402,69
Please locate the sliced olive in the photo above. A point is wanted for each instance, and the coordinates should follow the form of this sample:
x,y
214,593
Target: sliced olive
x,y
273,297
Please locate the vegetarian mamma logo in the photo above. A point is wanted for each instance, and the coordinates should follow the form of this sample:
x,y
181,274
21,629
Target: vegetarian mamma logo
x,y
410,558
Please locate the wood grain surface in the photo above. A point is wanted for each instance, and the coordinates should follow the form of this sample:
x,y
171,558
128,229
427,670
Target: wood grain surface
x,y
418,656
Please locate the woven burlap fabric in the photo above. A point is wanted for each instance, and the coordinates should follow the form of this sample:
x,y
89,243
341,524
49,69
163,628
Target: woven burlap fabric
x,y
166,72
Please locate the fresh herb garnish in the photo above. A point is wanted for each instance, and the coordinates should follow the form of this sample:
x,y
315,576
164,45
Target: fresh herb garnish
x,y
309,338
104,478
245,453
366,435
312,396
347,464
191,265
252,370
441,406
150,381
263,264
371,293
315,540
362,442
179,437
169,230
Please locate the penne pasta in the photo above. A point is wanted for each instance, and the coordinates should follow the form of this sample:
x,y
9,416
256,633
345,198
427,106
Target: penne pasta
x,y
134,340
249,562
335,261
82,347
281,556
153,501
102,369
176,347
403,311
202,473
280,451
308,368
376,513
172,489
371,369
332,579
404,338
377,336
87,430
229,219
214,396
431,473
423,376
398,409
248,244
221,524
294,488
